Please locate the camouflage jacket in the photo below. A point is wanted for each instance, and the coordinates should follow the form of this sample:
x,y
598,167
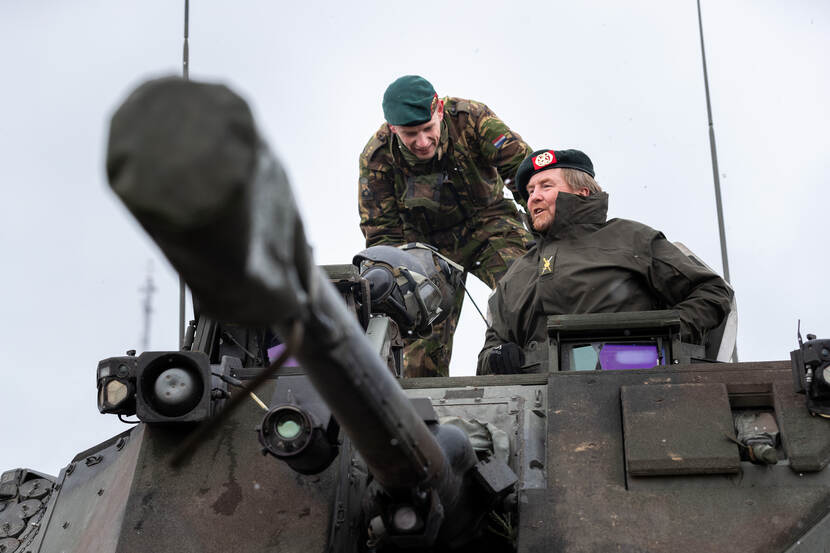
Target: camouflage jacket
x,y
402,203
585,264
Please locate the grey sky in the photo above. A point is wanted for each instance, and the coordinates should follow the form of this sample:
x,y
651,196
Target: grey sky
x,y
620,80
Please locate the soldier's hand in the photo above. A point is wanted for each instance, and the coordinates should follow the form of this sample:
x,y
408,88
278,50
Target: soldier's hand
x,y
506,358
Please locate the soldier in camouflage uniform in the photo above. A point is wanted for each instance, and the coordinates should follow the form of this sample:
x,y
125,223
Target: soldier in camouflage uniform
x,y
434,173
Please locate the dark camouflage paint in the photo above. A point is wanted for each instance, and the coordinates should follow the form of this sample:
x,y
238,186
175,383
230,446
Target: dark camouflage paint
x,y
454,202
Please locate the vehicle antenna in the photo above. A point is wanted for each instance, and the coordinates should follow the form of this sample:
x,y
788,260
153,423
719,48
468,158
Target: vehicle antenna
x,y
713,148
469,295
185,50
186,77
148,289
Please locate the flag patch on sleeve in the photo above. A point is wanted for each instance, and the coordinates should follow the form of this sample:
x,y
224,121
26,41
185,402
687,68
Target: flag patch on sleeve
x,y
499,141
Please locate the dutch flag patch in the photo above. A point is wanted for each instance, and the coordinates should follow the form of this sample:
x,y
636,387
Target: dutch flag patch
x,y
497,143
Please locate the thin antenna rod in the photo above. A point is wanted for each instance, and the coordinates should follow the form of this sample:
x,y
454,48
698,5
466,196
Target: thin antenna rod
x,y
469,295
147,290
186,50
186,77
713,148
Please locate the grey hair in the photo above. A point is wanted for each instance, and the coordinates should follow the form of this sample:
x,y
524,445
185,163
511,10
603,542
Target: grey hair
x,y
577,180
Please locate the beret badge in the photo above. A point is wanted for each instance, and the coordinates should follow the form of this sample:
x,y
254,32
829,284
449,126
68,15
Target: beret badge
x,y
543,159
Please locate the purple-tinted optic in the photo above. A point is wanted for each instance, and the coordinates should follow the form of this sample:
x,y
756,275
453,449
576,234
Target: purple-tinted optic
x,y
617,357
275,352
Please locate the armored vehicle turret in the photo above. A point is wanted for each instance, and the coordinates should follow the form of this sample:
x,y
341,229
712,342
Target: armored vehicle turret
x,y
282,424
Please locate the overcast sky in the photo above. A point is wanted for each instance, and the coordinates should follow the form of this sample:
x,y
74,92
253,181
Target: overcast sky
x,y
621,81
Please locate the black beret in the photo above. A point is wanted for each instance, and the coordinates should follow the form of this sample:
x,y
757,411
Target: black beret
x,y
408,101
541,160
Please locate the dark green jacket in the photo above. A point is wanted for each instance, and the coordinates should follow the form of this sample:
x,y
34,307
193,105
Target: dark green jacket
x,y
585,264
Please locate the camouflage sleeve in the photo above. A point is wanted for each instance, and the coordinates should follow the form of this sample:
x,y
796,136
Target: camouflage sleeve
x,y
380,220
503,148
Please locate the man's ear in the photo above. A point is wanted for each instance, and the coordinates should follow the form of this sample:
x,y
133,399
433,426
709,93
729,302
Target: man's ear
x,y
583,192
440,109
393,129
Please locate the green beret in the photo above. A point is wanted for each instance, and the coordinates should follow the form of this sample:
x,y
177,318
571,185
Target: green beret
x,y
541,160
408,101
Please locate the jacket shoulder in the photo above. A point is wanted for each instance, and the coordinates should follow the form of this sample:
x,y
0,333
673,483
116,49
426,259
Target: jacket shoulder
x,y
631,226
639,237
375,144
456,106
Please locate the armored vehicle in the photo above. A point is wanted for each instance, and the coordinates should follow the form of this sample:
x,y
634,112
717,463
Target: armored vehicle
x,y
283,423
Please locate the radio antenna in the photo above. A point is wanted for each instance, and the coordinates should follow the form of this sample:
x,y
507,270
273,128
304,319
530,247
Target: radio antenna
x,y
147,290
713,148
186,77
185,50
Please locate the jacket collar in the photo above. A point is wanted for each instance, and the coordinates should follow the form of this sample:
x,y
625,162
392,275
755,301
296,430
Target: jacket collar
x,y
575,214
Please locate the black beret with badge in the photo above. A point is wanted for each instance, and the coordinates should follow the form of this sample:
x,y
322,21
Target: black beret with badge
x,y
542,160
408,101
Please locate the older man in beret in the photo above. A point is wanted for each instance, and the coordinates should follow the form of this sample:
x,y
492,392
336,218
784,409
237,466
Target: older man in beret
x,y
583,263
434,172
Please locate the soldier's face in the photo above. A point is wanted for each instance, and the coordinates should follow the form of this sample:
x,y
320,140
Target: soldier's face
x,y
422,140
543,189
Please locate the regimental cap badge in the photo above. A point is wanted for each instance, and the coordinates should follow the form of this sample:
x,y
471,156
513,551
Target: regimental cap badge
x,y
544,159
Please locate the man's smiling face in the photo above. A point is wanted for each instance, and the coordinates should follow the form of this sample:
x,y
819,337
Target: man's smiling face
x,y
422,140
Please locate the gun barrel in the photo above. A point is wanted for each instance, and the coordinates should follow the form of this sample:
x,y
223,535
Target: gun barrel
x,y
186,160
